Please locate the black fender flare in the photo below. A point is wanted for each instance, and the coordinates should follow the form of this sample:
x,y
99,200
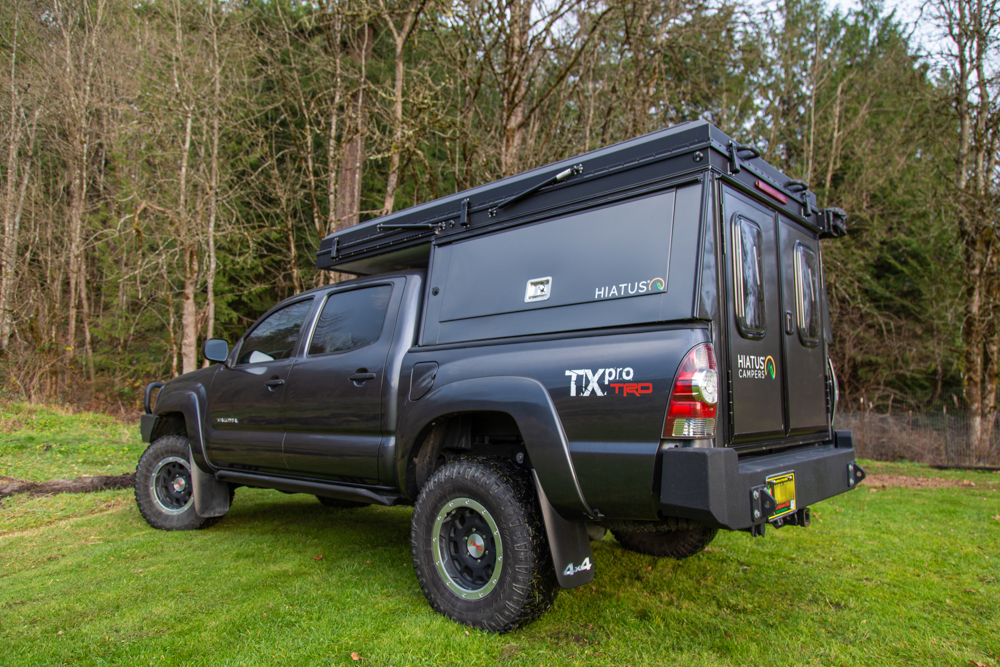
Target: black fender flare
x,y
528,402
189,399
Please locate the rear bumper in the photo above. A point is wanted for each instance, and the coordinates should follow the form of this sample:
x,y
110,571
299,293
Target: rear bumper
x,y
714,486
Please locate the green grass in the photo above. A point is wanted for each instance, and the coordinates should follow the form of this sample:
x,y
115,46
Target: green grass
x,y
40,443
897,576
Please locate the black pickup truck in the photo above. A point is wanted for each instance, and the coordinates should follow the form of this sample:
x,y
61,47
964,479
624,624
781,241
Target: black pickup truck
x,y
632,340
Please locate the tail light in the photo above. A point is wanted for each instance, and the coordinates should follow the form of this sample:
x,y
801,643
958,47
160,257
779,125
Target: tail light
x,y
695,396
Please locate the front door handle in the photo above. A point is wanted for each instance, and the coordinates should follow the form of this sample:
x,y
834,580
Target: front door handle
x,y
360,378
273,384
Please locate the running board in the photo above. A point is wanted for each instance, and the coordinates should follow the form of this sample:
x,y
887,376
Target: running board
x,y
315,488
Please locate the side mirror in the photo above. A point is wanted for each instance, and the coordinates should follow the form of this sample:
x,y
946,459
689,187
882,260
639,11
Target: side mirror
x,y
216,349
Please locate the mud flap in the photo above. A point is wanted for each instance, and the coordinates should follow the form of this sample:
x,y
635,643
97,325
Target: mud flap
x,y
211,497
569,542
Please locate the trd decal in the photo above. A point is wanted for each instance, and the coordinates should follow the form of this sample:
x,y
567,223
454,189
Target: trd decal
x,y
634,388
603,382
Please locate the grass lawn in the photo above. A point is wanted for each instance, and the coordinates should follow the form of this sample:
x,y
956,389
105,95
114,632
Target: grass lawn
x,y
883,576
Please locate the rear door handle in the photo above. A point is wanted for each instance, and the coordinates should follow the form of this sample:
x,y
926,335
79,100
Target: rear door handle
x,y
361,378
273,384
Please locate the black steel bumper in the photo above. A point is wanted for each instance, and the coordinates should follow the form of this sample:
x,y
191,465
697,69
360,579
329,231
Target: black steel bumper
x,y
714,486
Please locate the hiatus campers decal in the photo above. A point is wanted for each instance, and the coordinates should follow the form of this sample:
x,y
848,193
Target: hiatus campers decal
x,y
614,380
630,289
756,367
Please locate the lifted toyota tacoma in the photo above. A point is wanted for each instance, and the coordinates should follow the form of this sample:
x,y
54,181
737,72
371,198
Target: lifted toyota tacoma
x,y
633,340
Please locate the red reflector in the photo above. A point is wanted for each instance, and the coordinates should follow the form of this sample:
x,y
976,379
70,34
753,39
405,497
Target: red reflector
x,y
771,192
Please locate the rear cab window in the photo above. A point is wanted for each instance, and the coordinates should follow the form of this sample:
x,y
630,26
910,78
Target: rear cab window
x,y
350,320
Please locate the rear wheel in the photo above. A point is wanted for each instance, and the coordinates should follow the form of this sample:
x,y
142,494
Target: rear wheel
x,y
667,543
479,545
163,487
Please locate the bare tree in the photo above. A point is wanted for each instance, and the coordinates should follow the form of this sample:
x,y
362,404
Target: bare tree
x,y
973,28
19,135
400,36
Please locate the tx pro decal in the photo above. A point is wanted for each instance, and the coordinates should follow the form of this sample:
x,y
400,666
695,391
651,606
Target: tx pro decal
x,y
617,380
755,367
630,289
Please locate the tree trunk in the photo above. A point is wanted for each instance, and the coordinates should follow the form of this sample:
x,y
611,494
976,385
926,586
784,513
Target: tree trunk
x,y
352,159
189,308
213,185
399,37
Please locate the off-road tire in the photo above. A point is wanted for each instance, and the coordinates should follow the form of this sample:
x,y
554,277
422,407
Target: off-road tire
x,y
667,543
166,457
339,504
521,583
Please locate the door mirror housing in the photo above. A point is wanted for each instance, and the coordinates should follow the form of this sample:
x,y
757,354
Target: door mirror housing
x,y
216,349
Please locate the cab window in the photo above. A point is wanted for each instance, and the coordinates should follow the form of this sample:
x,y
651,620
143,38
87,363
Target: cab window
x,y
274,338
807,295
748,277
351,320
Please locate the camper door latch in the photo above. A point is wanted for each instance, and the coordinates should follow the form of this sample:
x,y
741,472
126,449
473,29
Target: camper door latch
x,y
464,218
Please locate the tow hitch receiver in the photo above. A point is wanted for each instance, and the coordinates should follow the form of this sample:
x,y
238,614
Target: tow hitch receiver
x,y
800,517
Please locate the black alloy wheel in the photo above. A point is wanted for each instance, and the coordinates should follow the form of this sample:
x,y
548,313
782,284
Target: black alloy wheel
x,y
479,545
164,490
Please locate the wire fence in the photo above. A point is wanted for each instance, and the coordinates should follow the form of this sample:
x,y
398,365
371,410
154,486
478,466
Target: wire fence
x,y
934,438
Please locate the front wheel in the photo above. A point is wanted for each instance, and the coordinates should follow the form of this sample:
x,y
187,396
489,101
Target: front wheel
x,y
479,545
163,486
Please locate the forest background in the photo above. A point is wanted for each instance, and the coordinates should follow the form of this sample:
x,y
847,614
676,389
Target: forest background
x,y
167,167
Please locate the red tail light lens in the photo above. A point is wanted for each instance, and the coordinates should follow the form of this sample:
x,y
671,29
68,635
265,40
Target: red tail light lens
x,y
694,398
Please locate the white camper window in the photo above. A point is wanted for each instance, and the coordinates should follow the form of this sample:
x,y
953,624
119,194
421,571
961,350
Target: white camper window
x,y
748,277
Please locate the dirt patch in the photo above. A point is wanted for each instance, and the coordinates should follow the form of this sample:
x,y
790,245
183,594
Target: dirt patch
x,y
12,486
878,481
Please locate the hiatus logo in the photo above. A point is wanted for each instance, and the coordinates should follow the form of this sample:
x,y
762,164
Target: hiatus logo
x,y
630,289
756,367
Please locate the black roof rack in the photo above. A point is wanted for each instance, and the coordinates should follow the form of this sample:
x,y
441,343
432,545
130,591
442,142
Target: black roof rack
x,y
403,239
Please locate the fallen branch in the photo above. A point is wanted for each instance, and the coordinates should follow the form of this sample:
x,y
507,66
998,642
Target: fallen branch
x,y
78,485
